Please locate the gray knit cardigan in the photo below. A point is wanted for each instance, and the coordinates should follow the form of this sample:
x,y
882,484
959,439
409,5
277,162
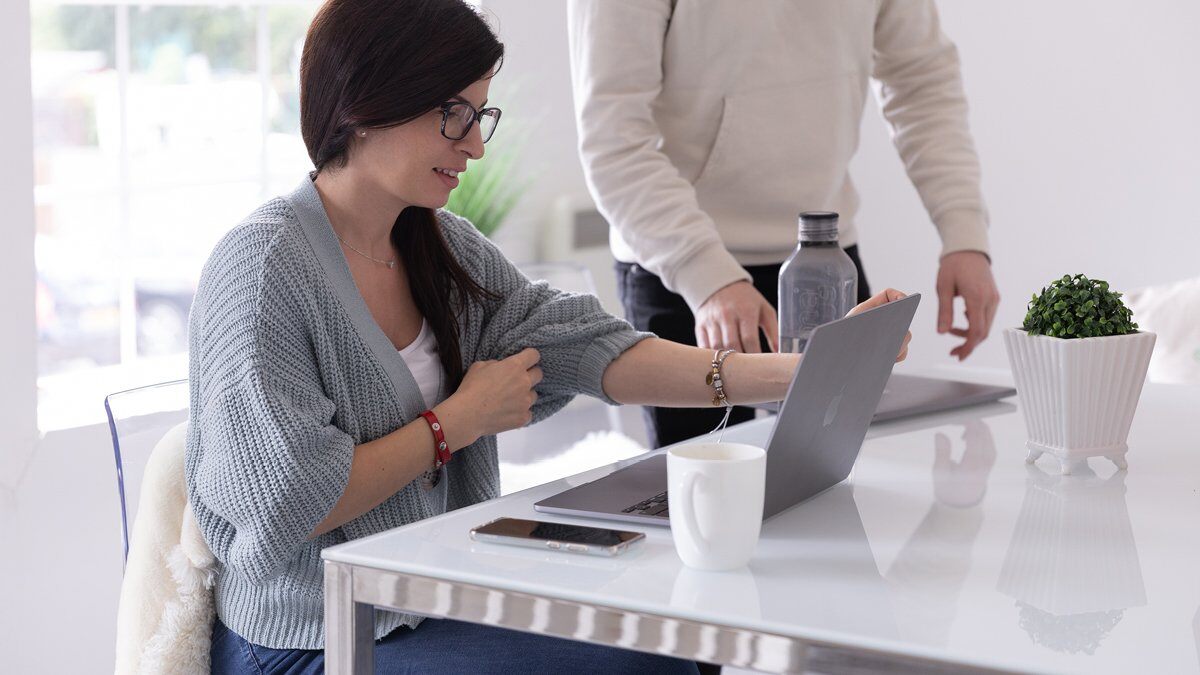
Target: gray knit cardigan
x,y
289,372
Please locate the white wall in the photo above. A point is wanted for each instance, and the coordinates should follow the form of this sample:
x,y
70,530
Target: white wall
x,y
534,90
1085,114
18,363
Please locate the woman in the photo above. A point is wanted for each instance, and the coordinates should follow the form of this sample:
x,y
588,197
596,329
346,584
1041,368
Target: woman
x,y
336,326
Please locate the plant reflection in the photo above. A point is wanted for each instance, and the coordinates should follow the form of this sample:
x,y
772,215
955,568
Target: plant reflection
x,y
1072,564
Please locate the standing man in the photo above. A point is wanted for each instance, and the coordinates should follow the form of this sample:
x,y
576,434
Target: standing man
x,y
707,126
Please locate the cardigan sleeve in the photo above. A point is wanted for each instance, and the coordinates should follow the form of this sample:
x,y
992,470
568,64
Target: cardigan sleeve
x,y
269,466
576,338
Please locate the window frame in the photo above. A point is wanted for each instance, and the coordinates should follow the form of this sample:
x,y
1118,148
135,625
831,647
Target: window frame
x,y
67,397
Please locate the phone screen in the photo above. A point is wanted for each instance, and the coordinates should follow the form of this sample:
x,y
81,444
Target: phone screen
x,y
571,534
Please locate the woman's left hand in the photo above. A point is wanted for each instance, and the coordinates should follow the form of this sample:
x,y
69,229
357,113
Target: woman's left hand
x,y
888,295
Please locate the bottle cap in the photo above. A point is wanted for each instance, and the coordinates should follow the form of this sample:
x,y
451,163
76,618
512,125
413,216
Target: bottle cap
x,y
818,226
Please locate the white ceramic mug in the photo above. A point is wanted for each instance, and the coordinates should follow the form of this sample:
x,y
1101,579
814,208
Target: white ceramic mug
x,y
715,492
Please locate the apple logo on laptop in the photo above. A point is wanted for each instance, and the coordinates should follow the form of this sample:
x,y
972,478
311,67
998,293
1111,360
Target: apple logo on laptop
x,y
832,411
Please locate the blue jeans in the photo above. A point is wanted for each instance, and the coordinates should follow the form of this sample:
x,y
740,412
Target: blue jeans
x,y
447,646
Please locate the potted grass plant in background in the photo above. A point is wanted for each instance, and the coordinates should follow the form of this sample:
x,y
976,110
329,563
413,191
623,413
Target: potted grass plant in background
x,y
1079,363
488,190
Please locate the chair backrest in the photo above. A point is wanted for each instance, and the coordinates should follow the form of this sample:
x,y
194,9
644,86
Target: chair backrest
x,y
137,419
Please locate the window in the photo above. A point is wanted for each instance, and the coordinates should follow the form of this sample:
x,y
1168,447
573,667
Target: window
x,y
157,127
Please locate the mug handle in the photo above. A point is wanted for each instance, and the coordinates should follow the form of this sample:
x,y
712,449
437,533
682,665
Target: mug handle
x,y
691,480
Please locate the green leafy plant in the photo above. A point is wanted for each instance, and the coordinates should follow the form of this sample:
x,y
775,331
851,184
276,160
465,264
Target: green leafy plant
x,y
487,190
1078,307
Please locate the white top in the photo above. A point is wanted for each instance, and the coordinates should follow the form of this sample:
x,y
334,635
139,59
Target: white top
x,y
421,357
943,544
706,127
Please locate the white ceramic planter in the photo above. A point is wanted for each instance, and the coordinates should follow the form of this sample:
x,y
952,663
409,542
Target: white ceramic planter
x,y
1078,396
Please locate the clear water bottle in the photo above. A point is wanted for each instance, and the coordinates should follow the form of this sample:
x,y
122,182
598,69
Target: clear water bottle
x,y
817,284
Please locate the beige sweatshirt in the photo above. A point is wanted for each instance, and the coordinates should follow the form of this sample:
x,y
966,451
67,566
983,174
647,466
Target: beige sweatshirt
x,y
707,126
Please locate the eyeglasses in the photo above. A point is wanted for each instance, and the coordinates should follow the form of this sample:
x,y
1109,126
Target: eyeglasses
x,y
457,118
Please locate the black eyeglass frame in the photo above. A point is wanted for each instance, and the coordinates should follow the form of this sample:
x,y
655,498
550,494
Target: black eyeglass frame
x,y
475,115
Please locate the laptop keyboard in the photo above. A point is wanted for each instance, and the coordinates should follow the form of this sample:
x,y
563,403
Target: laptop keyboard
x,y
654,506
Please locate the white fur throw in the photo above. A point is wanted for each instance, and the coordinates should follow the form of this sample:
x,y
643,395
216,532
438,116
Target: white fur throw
x,y
1170,310
164,624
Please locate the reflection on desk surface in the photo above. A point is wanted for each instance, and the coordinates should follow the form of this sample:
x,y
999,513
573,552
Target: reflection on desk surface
x,y
1072,565
1196,634
928,573
817,565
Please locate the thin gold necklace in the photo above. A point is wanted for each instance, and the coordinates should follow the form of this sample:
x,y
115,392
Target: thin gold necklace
x,y
391,264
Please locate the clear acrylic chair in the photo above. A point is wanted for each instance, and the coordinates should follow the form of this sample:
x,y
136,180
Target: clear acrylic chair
x,y
556,447
137,420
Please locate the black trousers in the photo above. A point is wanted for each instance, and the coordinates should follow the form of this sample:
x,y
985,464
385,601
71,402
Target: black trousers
x,y
649,306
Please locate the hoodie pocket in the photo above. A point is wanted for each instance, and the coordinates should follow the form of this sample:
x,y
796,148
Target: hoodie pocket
x,y
779,150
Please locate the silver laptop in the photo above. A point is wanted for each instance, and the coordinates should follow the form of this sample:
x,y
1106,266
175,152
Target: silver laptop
x,y
817,435
909,395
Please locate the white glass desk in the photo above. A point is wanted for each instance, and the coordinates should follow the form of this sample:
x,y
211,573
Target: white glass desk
x,y
943,552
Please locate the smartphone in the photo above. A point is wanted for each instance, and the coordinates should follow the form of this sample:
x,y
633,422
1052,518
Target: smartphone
x,y
557,536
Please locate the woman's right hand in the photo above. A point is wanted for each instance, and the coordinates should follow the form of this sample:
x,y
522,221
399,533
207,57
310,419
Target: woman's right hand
x,y
883,298
497,396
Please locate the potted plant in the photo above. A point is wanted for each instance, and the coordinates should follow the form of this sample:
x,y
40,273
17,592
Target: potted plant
x,y
1079,363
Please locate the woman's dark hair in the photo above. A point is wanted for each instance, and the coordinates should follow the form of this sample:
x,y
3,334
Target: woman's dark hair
x,y
378,64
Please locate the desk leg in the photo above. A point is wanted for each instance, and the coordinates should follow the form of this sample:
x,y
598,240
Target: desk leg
x,y
349,625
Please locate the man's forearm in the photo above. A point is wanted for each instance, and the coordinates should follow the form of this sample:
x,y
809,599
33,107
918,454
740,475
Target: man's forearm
x,y
921,95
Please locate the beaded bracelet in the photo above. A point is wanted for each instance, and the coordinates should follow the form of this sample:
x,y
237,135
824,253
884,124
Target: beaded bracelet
x,y
714,378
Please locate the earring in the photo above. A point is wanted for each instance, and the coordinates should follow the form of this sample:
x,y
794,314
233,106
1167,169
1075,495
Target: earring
x,y
362,133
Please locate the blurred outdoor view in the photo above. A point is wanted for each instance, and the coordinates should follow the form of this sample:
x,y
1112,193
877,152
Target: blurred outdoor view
x,y
157,128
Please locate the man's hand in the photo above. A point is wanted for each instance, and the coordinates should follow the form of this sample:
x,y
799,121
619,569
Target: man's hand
x,y
879,299
967,274
731,317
